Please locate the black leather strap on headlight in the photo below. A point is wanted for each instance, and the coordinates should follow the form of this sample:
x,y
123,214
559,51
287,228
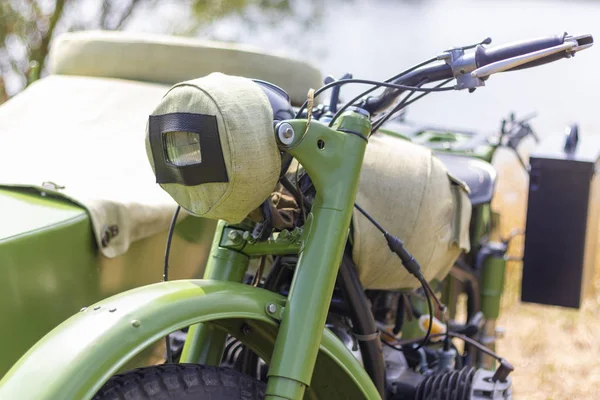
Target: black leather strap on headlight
x,y
210,169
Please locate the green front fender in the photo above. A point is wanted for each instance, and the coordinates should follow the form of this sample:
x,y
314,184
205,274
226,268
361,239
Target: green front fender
x,y
76,358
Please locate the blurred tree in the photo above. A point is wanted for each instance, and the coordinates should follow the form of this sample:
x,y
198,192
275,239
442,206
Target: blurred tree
x,y
28,26
214,9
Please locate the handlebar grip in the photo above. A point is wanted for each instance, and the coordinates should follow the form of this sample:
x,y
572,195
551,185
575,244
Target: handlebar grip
x,y
485,56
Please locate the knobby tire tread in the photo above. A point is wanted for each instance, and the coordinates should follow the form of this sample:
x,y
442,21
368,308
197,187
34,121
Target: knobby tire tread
x,y
182,382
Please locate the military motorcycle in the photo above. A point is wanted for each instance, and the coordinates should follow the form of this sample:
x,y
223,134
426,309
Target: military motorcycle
x,y
342,248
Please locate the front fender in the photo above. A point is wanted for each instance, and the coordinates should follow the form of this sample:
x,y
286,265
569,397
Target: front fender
x,y
76,358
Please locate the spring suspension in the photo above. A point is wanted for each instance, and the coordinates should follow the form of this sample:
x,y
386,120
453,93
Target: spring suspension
x,y
451,385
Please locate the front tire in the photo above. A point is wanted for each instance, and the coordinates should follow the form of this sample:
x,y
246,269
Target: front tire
x,y
182,382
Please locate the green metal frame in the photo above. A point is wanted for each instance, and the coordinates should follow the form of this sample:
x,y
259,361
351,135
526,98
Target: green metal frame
x,y
76,358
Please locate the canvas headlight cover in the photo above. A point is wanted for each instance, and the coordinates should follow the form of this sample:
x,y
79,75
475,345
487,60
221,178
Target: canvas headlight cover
x,y
211,145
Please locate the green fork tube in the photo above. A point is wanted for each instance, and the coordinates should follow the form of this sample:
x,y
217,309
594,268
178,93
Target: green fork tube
x,y
333,161
204,344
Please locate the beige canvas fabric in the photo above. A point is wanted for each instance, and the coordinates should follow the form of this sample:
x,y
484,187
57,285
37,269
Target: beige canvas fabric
x,y
169,59
409,191
87,134
245,124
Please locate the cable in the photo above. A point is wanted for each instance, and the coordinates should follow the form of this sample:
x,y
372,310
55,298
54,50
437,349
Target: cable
x,y
363,212
423,94
377,124
441,307
388,344
369,82
300,191
366,92
462,337
168,246
409,342
166,272
411,265
259,272
429,306
404,104
289,186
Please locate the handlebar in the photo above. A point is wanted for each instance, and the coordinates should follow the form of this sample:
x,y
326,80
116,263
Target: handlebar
x,y
432,73
472,68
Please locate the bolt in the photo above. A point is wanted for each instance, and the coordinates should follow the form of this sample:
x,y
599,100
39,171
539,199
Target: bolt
x,y
235,237
135,323
83,309
286,133
112,309
96,308
271,308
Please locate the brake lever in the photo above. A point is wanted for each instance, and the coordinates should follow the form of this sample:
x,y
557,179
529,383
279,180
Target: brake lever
x,y
571,45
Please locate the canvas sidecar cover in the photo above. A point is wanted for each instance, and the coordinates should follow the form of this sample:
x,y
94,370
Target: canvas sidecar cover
x,y
81,129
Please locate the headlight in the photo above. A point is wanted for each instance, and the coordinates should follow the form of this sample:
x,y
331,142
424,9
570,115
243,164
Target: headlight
x,y
212,147
183,148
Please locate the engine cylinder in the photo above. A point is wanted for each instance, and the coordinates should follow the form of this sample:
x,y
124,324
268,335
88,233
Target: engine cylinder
x,y
455,385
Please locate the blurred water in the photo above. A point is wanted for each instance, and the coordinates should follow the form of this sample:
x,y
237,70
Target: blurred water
x,y
378,38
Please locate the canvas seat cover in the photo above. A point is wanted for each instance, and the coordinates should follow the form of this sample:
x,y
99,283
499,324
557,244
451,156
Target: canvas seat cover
x,y
409,191
169,60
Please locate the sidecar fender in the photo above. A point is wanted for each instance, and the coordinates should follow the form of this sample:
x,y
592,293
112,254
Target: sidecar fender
x,y
75,359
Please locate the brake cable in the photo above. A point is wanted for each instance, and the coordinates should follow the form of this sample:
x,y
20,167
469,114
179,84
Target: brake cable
x,y
403,104
366,92
377,84
377,124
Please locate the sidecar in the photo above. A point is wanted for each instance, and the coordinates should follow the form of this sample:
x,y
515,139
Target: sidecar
x,y
81,217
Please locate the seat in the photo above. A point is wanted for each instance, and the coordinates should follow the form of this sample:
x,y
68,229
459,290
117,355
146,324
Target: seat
x,y
479,175
168,60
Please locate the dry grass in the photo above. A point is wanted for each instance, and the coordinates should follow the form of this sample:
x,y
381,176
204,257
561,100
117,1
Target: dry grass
x,y
555,351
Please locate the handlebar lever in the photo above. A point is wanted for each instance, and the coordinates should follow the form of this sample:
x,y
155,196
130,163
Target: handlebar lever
x,y
487,40
471,68
571,45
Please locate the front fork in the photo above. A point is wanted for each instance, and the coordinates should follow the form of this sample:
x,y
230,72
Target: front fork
x,y
204,344
333,160
305,312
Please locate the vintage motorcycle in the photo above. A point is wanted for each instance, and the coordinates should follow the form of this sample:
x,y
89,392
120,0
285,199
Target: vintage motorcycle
x,y
282,311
